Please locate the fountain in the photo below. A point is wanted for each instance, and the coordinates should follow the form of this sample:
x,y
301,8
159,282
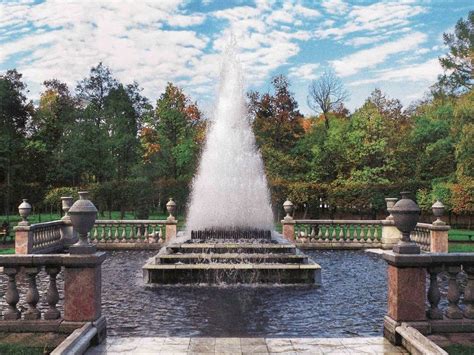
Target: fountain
x,y
229,236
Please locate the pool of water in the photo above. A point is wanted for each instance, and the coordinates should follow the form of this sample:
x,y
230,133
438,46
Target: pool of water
x,y
351,302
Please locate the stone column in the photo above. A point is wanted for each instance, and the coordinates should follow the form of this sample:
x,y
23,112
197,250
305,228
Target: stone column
x,y
288,223
406,279
171,229
68,234
82,287
23,240
23,233
439,230
390,234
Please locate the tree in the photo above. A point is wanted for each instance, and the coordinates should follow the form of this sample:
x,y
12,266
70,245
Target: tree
x,y
325,94
276,119
15,113
459,62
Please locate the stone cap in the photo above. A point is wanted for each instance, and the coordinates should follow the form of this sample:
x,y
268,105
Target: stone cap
x,y
429,259
85,260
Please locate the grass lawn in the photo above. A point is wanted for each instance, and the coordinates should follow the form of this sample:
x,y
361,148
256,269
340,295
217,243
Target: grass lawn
x,y
459,349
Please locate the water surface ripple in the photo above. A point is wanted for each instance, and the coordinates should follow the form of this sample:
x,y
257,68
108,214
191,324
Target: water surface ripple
x,y
351,302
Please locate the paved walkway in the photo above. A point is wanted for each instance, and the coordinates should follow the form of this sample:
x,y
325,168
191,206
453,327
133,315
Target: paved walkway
x,y
293,346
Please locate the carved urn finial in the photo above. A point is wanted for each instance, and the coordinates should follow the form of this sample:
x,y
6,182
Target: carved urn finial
x,y
24,209
66,202
390,201
83,214
405,216
288,207
171,208
438,212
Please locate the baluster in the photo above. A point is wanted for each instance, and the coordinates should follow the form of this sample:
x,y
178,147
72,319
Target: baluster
x,y
102,233
116,233
453,311
132,233
96,234
52,296
469,293
109,233
433,294
326,233
124,233
11,296
139,233
353,232
333,233
369,233
313,232
362,233
320,233
376,233
160,234
32,296
342,233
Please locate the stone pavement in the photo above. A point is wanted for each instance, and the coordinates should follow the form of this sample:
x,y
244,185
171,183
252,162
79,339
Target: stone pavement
x,y
293,346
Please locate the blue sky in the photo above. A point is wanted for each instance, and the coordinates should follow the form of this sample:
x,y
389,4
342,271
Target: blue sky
x,y
392,45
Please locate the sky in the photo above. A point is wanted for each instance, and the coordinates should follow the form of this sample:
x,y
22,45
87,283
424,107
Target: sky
x,y
391,45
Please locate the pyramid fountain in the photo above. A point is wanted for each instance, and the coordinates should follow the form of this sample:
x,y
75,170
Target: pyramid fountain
x,y
229,236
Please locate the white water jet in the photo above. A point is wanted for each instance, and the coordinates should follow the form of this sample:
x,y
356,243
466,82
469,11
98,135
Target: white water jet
x,y
230,189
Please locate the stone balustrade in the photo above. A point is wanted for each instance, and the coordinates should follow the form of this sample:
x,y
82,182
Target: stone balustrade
x,y
40,238
337,233
132,231
33,280
434,292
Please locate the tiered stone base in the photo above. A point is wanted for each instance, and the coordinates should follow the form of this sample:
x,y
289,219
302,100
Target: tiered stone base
x,y
231,263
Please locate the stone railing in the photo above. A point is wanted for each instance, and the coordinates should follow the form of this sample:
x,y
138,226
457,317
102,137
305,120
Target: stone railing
x,y
33,286
362,234
132,231
41,238
437,308
338,233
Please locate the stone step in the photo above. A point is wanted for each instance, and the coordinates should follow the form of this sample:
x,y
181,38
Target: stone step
x,y
232,273
246,248
233,258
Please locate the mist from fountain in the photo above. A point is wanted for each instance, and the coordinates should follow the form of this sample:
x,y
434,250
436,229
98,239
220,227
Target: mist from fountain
x,y
230,189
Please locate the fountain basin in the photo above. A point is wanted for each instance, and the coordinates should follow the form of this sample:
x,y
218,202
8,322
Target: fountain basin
x,y
193,262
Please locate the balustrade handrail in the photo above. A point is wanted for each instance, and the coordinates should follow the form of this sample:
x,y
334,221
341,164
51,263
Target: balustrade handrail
x,y
131,221
36,226
336,221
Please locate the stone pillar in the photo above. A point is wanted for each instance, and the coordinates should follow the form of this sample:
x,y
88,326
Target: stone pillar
x,y
23,240
390,234
288,229
406,279
68,234
439,239
439,230
171,229
82,287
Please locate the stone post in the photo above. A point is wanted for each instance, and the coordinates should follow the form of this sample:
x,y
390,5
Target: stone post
x,y
288,223
390,234
406,279
82,287
68,234
171,222
23,234
439,230
406,273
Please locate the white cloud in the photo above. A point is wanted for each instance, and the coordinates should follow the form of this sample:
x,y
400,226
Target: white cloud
x,y
369,58
373,18
335,7
425,72
304,72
